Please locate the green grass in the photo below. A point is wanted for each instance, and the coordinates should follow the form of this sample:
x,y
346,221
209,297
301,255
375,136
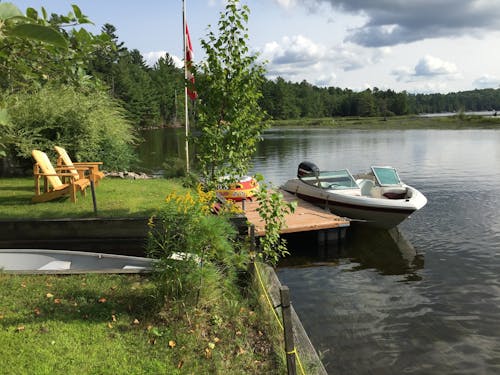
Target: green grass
x,y
114,324
119,324
398,122
115,198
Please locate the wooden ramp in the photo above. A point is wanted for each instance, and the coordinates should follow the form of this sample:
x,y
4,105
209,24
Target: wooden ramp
x,y
307,217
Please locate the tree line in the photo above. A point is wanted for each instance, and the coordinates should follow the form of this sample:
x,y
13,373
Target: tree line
x,y
151,93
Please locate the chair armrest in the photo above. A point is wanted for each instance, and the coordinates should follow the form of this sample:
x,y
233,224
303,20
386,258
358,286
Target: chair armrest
x,y
90,163
54,174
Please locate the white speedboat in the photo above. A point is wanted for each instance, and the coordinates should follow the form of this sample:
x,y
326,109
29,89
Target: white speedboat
x,y
378,198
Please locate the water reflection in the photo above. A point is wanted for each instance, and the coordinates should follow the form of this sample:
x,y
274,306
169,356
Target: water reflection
x,y
387,252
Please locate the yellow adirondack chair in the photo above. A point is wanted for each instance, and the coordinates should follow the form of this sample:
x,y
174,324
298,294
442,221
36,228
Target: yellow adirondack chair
x,y
53,187
64,162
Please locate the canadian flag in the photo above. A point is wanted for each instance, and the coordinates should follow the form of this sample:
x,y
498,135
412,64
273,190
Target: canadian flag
x,y
189,59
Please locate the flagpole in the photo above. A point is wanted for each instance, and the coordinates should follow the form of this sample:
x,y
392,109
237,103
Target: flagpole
x,y
186,112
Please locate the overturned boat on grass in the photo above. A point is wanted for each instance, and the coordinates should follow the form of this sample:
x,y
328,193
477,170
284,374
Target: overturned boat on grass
x,y
378,198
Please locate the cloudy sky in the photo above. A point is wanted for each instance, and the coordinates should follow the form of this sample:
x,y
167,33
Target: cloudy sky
x,y
413,45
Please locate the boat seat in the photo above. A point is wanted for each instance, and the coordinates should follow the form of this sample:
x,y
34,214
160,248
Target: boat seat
x,y
366,187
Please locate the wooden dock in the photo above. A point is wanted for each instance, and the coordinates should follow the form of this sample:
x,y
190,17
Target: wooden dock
x,y
307,217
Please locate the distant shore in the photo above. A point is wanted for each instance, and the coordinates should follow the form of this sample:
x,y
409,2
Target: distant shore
x,y
459,121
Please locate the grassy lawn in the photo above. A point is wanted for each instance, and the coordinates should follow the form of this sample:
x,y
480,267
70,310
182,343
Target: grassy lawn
x,y
115,198
113,324
118,324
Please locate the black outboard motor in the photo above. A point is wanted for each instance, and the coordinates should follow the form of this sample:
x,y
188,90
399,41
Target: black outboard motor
x,y
307,169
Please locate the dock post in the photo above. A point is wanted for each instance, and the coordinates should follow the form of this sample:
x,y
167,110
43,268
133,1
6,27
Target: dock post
x,y
287,327
321,240
252,237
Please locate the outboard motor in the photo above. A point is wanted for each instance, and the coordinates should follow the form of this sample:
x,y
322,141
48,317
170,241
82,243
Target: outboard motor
x,y
307,169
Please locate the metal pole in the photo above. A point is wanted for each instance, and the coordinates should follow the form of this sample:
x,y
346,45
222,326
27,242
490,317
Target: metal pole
x,y
94,202
186,112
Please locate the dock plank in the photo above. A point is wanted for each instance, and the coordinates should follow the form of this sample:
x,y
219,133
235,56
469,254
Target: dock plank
x,y
307,217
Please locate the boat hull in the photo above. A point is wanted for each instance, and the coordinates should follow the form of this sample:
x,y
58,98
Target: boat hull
x,y
35,261
377,212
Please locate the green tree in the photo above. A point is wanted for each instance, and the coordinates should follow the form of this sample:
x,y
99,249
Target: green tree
x,y
230,119
168,84
104,60
134,86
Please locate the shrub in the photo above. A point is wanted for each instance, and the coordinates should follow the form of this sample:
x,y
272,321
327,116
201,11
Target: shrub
x,y
190,244
89,124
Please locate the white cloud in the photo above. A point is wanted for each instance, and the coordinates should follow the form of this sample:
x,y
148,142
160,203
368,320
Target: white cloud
x,y
432,66
297,57
287,4
293,49
153,56
428,67
486,81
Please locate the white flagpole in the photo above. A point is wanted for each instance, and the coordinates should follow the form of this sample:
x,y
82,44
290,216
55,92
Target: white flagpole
x,y
186,112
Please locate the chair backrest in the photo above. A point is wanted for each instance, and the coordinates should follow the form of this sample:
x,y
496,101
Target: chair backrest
x,y
45,165
67,161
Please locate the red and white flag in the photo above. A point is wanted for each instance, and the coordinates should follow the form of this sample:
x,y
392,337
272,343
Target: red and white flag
x,y
189,59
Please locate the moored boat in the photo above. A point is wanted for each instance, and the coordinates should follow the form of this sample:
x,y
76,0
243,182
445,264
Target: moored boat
x,y
244,188
378,198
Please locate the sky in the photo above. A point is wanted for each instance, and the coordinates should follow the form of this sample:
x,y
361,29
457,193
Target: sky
x,y
421,46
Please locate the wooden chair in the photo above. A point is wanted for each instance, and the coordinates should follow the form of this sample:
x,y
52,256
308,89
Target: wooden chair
x,y
65,162
53,187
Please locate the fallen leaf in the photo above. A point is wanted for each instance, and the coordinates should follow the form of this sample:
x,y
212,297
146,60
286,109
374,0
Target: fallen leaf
x,y
102,300
20,328
49,295
211,345
152,340
154,331
57,300
23,284
110,325
113,318
37,311
180,364
172,343
136,321
208,353
238,333
216,339
240,351
149,327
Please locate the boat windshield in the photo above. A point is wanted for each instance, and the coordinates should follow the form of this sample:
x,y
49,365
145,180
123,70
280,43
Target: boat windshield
x,y
340,179
386,176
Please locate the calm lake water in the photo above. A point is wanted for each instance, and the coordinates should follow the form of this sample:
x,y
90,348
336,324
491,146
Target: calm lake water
x,y
368,308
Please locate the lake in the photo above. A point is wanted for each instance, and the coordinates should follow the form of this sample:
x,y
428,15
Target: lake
x,y
367,308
